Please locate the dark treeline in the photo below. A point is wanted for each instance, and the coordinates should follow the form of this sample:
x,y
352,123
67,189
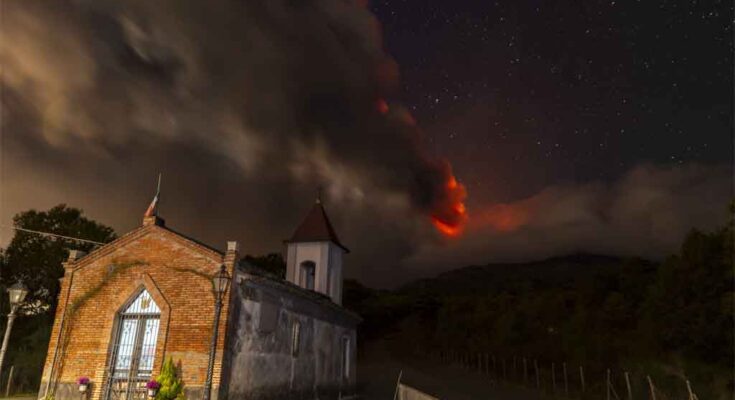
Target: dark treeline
x,y
672,320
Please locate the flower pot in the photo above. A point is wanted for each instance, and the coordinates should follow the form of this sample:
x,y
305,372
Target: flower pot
x,y
152,392
83,387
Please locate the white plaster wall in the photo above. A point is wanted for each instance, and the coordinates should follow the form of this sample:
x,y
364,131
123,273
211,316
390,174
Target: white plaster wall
x,y
300,252
261,362
328,259
335,261
291,263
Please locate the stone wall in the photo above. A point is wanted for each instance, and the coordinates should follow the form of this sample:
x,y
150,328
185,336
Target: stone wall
x,y
261,363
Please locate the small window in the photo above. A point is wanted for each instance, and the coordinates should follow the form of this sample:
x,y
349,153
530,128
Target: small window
x,y
308,272
345,357
295,338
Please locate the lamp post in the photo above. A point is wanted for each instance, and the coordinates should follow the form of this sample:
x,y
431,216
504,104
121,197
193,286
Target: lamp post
x,y
17,294
220,282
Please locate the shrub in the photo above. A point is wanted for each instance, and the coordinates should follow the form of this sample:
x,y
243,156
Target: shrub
x,y
172,388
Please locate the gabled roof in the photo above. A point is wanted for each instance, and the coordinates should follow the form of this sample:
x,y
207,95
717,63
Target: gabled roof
x,y
316,228
142,231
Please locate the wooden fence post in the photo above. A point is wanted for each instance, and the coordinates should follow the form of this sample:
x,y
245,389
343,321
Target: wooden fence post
x,y
566,384
607,384
651,388
627,386
495,369
553,379
525,371
538,377
515,373
581,378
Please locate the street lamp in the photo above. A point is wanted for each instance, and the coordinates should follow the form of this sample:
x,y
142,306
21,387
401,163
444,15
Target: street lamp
x,y
17,294
220,282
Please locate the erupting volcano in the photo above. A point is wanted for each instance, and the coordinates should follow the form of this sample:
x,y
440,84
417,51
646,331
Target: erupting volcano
x,y
450,216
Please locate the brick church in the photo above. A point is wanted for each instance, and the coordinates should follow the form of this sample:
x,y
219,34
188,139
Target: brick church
x,y
148,296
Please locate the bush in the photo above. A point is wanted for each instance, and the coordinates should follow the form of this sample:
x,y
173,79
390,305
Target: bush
x,y
172,388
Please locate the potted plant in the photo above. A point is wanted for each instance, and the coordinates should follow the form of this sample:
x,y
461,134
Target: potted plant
x,y
152,387
83,383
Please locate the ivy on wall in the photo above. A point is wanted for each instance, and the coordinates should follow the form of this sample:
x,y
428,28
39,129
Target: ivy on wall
x,y
115,269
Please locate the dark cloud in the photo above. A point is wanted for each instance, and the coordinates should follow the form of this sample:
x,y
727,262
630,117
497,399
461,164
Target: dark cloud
x,y
246,107
253,82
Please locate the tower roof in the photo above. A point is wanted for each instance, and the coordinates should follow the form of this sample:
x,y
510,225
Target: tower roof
x,y
316,228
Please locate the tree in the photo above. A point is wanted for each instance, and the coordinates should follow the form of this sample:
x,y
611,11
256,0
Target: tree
x,y
37,260
690,305
272,263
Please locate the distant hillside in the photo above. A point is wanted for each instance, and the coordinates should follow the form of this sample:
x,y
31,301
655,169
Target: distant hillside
x,y
667,319
556,272
383,309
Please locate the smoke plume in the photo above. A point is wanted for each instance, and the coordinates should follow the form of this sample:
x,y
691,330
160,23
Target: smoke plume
x,y
295,88
246,107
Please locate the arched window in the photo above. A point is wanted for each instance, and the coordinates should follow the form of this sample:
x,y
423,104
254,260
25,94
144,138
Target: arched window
x,y
307,275
134,348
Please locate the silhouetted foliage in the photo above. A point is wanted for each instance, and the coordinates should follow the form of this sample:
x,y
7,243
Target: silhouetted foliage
x,y
36,259
673,318
272,263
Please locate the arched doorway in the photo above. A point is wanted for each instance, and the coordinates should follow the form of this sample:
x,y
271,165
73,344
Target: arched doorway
x,y
134,348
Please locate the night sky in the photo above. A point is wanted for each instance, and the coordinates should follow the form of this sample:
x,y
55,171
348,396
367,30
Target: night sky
x,y
443,133
579,90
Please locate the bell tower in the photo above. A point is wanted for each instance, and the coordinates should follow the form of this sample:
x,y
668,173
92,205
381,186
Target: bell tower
x,y
314,255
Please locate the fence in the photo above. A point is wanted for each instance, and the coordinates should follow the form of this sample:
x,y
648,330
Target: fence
x,y
561,379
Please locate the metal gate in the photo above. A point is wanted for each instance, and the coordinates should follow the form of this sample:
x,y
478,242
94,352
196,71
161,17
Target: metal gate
x,y
134,349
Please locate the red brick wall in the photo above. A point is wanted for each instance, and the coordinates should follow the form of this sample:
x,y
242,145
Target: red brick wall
x,y
174,270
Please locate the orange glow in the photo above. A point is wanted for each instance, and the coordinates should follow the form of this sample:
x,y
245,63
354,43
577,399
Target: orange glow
x,y
503,217
382,106
446,229
460,208
452,183
450,215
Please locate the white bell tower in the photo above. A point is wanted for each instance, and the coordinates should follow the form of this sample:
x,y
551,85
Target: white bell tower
x,y
314,255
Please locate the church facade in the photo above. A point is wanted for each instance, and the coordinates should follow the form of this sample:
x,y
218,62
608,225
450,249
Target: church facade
x,y
147,297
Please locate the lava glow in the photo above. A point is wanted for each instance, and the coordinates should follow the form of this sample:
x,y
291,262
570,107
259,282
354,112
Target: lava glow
x,y
450,219
382,106
446,229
